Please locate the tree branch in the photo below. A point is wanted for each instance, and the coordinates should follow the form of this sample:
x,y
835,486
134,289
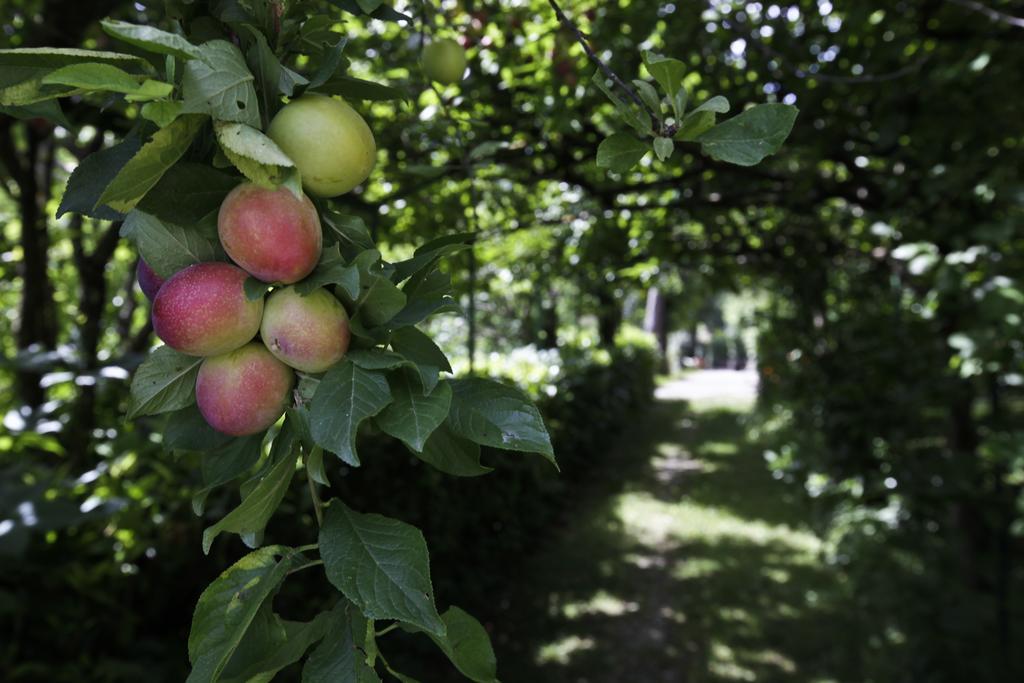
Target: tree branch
x,y
660,127
990,12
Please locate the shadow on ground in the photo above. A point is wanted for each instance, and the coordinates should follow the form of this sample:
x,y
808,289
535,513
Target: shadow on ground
x,y
685,561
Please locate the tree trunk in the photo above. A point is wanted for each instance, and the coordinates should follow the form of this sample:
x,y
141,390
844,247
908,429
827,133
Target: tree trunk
x,y
549,321
38,321
609,317
471,309
655,323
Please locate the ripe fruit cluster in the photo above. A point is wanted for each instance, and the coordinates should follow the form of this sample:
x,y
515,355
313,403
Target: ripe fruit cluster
x,y
244,384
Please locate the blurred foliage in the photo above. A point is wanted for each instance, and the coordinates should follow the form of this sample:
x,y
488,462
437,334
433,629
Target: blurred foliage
x,y
885,238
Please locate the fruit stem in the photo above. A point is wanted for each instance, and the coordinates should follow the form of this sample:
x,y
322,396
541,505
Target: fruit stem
x,y
387,630
314,493
313,563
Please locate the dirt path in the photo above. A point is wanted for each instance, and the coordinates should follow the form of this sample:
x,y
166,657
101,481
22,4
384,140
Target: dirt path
x,y
685,562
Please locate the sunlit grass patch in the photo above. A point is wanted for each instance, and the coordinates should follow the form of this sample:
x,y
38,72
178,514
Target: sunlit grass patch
x,y
562,651
654,522
696,568
601,602
719,448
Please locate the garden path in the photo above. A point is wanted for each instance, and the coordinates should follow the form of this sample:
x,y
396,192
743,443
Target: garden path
x,y
685,561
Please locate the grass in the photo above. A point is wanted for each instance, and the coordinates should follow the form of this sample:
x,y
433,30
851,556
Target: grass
x,y
684,561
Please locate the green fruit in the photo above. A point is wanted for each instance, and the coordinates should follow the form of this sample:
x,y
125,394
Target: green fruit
x,y
328,141
444,61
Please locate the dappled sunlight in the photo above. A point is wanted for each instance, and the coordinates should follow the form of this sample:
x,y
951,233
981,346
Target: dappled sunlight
x,y
601,602
689,562
653,522
562,651
719,448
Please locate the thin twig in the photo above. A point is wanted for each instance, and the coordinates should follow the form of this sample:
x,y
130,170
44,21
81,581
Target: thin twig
x,y
990,12
660,127
387,630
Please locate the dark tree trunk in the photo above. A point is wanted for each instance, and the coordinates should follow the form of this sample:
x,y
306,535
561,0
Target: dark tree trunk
x,y
471,309
609,317
655,323
549,321
92,297
37,328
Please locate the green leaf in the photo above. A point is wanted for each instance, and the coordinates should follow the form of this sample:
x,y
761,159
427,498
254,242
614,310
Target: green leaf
x,y
338,658
228,606
315,465
146,168
746,139
349,232
91,178
716,104
255,289
702,118
380,299
188,430
151,39
253,153
663,147
494,414
332,270
252,515
106,78
668,72
204,186
381,565
369,6
166,381
377,359
383,12
468,646
271,644
648,94
345,397
226,464
161,113
620,152
630,112
167,248
220,84
22,71
694,124
413,416
274,78
430,253
452,454
421,350
21,87
56,57
427,293
486,149
679,102
332,60
47,109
